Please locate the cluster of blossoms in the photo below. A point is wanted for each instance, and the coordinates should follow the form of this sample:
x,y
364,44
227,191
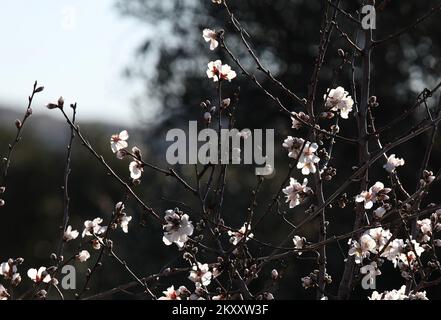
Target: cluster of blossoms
x,y
398,295
338,100
9,271
379,241
119,145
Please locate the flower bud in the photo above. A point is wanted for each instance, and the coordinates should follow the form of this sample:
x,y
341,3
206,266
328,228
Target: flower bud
x,y
60,102
18,124
274,274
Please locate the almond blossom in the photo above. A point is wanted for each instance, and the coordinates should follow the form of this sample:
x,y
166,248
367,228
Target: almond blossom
x,y
70,234
392,163
40,275
308,159
294,146
363,248
201,273
296,192
83,256
93,227
376,192
339,100
218,71
210,36
178,228
119,141
136,169
171,294
236,237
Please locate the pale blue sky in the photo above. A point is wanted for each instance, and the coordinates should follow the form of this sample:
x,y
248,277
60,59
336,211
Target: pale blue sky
x,y
75,48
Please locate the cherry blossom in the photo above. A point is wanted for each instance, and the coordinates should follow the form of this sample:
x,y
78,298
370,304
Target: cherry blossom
x,y
136,169
376,192
296,192
236,237
210,36
294,146
178,228
339,100
392,163
70,234
93,227
119,141
218,71
308,159
83,256
39,276
381,236
201,273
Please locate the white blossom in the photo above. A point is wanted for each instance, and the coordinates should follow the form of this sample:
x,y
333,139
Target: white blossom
x,y
119,141
370,197
201,273
83,256
218,71
170,294
210,36
296,192
40,275
293,145
93,227
339,100
362,248
178,228
308,159
390,295
70,234
136,169
381,236
124,223
299,243
236,237
392,163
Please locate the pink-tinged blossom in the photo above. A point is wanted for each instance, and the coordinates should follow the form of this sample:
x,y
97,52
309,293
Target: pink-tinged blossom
x,y
201,273
308,159
293,145
218,71
236,237
40,275
296,192
339,100
119,141
170,294
210,36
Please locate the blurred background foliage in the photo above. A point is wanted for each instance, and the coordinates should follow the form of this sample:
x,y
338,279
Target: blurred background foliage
x,y
172,65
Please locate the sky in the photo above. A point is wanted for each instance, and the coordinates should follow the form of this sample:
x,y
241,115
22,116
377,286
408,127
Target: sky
x,y
75,48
